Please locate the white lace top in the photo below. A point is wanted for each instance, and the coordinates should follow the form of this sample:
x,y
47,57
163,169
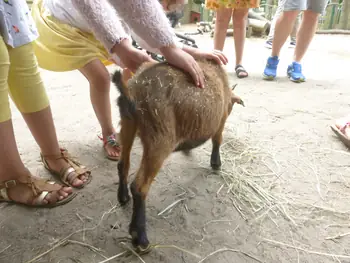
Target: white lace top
x,y
113,20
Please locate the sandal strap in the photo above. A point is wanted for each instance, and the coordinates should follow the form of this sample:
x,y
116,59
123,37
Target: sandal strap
x,y
40,187
56,157
69,174
110,140
74,170
74,167
239,68
39,200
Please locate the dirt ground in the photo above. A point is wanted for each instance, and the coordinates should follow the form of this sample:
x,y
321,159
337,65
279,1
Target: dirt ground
x,y
281,141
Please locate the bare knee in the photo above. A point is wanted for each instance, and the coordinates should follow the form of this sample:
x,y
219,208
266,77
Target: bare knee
x,y
100,82
240,18
223,18
97,75
310,17
289,16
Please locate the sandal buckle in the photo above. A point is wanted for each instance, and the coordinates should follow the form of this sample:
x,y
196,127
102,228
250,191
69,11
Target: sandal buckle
x,y
10,183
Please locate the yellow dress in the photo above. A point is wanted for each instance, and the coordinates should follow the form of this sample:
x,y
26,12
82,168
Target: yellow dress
x,y
61,47
235,4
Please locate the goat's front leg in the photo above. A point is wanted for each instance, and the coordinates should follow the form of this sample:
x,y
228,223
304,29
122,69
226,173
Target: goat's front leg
x,y
152,161
215,159
127,136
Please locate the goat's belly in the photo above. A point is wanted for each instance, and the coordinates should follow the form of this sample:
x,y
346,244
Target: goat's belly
x,y
190,144
198,125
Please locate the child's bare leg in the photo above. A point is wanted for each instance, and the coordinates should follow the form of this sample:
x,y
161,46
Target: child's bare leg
x,y
99,79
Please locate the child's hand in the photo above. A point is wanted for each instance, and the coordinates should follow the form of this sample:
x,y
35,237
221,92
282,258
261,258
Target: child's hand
x,y
217,55
130,57
177,57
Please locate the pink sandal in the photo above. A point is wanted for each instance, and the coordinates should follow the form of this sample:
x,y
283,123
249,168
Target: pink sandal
x,y
112,141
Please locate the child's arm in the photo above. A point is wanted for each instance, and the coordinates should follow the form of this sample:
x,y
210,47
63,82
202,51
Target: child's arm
x,y
102,21
145,17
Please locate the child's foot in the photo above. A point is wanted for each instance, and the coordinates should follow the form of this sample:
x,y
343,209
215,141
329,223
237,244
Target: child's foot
x,y
241,72
294,73
111,147
268,44
33,191
342,129
270,71
67,168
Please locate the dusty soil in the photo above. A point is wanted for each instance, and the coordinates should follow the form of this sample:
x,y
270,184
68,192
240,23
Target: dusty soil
x,y
281,140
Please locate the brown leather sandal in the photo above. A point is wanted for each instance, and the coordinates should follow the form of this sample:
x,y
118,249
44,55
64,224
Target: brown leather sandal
x,y
40,189
74,170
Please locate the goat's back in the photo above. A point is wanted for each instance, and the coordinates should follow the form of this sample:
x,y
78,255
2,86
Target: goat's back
x,y
167,101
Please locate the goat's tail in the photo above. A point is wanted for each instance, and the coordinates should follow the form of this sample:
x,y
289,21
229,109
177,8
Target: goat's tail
x,y
126,105
117,79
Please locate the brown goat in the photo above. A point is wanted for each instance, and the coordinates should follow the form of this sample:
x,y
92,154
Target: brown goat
x,y
170,114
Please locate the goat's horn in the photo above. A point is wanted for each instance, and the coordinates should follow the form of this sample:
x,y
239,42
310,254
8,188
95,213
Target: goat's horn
x,y
234,86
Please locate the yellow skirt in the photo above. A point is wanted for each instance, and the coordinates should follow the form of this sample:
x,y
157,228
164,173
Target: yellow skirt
x,y
61,47
235,4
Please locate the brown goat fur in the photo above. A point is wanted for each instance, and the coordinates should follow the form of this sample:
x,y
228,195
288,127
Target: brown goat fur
x,y
170,114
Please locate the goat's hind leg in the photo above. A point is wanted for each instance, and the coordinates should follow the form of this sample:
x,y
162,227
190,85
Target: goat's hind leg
x,y
215,159
127,136
152,161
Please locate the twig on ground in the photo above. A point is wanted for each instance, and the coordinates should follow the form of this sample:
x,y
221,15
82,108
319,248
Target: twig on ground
x,y
338,236
178,248
132,251
217,221
47,252
3,250
298,254
218,191
337,225
238,210
305,250
230,250
82,220
64,240
113,257
171,206
95,249
83,224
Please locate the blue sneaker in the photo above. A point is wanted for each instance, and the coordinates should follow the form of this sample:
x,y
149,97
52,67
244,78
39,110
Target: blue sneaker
x,y
294,73
270,71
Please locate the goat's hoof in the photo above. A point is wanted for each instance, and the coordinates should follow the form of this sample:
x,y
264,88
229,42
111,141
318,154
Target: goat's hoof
x,y
140,240
216,166
123,200
123,195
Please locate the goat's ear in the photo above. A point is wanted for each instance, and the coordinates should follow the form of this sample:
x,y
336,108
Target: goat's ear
x,y
236,99
233,87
